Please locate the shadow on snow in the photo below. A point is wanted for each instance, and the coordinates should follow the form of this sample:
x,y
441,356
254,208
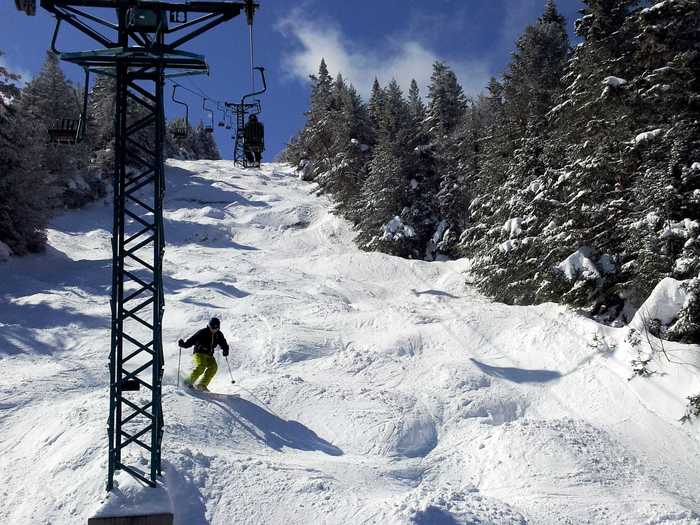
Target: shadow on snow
x,y
518,375
30,286
187,186
186,497
434,516
437,293
271,429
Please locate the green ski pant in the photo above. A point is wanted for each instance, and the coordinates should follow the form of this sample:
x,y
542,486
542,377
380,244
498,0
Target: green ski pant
x,y
205,366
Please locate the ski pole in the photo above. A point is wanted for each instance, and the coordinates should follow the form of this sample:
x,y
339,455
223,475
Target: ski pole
x,y
178,366
229,371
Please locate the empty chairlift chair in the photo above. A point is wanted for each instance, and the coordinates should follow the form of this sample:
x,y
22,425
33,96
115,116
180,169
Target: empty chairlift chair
x,y
209,124
68,130
64,131
181,131
222,122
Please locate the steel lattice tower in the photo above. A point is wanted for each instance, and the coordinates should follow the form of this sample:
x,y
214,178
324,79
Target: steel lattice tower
x,y
141,52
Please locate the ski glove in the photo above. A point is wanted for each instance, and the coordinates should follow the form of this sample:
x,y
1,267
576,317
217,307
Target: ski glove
x,y
225,353
181,343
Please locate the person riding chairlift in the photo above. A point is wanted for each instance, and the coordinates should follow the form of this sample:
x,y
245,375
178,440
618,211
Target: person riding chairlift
x,y
254,135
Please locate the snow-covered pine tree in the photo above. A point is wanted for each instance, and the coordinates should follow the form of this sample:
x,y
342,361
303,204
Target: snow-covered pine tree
x,y
580,232
25,193
102,106
353,134
445,123
664,240
494,150
446,102
318,134
47,98
534,74
514,168
376,103
203,144
384,191
100,134
321,91
421,205
416,107
179,147
336,135
210,147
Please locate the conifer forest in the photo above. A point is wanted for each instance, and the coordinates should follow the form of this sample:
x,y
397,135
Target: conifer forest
x,y
39,177
574,178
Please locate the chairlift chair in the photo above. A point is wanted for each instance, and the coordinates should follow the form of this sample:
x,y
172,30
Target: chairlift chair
x,y
244,108
181,132
71,130
222,122
209,126
28,6
64,131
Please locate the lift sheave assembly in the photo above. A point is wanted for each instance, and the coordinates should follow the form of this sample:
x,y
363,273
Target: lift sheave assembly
x,y
139,44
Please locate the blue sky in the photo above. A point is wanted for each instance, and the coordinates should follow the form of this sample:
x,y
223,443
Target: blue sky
x,y
361,38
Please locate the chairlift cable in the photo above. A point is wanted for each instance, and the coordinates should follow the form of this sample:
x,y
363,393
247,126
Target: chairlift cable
x,y
252,57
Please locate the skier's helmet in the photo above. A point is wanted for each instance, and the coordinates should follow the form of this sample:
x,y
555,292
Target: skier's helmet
x,y
214,324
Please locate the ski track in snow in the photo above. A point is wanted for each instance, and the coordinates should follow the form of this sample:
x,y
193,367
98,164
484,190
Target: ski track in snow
x,y
371,389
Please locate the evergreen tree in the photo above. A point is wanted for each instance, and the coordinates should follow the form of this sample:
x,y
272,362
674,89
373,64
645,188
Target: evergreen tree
x,y
321,91
100,134
25,192
318,135
447,104
507,221
534,74
102,108
421,206
376,103
180,147
447,108
384,191
416,108
665,177
590,125
47,99
353,133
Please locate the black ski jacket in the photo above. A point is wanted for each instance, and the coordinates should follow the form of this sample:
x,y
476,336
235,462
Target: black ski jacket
x,y
204,342
254,133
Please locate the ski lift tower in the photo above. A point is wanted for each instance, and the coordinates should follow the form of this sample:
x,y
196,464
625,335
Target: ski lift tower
x,y
140,45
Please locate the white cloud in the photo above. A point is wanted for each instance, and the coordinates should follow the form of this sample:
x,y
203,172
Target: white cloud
x,y
360,64
25,74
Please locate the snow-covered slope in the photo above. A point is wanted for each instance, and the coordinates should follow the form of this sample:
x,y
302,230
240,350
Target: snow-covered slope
x,y
372,389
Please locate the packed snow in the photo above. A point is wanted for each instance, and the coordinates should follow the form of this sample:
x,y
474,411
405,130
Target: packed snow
x,y
663,304
614,82
395,230
370,389
513,227
579,265
647,136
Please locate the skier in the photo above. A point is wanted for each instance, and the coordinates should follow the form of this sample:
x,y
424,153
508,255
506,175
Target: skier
x,y
204,341
254,135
